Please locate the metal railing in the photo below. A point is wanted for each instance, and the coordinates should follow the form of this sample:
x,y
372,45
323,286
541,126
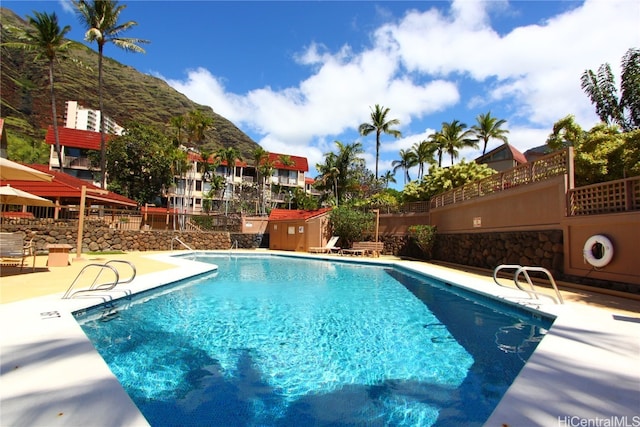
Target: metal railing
x,y
181,242
524,271
95,285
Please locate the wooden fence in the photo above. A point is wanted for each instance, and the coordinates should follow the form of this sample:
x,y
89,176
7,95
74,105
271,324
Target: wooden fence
x,y
622,195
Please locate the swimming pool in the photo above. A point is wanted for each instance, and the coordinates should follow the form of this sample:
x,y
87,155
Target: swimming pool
x,y
269,340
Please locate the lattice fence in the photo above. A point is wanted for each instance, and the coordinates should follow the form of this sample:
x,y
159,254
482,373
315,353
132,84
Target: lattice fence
x,y
607,197
544,168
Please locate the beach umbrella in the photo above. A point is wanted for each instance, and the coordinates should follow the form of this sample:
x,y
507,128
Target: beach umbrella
x,y
12,171
14,196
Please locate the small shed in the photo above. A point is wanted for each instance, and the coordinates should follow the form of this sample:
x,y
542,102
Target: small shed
x,y
298,230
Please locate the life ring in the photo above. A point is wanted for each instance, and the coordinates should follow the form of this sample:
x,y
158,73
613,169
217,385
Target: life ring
x,y
604,253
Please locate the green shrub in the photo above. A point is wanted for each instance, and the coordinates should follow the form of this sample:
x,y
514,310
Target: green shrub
x,y
350,224
424,237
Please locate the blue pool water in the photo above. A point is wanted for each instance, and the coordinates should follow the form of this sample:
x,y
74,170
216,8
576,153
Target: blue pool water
x,y
283,341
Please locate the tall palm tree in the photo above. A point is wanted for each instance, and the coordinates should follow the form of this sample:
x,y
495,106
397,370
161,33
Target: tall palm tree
x,y
455,136
46,39
229,155
379,124
407,161
260,159
437,140
177,123
488,127
100,17
424,151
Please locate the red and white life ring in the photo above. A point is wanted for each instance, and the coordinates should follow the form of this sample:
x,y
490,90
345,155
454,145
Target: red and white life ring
x,y
605,253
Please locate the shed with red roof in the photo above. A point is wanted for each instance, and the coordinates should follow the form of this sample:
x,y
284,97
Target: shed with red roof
x,y
298,230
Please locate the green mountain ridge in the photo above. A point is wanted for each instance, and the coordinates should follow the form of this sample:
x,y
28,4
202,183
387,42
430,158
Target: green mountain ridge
x,y
129,95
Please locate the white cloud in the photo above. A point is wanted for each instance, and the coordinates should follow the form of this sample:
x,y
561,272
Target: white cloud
x,y
424,63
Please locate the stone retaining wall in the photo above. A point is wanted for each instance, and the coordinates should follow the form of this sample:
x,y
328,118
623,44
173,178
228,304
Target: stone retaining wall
x,y
103,239
488,250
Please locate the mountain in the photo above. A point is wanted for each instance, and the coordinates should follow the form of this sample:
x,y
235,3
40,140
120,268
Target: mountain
x,y
128,94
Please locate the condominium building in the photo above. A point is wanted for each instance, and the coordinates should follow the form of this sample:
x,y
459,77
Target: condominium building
x,y
191,188
78,117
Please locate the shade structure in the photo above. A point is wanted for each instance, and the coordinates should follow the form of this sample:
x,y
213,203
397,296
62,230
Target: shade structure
x,y
13,196
10,170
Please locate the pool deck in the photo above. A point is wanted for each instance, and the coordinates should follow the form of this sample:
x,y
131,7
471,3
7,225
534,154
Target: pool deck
x,y
585,370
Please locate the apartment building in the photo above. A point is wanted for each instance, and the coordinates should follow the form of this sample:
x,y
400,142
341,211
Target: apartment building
x,y
241,182
78,117
190,188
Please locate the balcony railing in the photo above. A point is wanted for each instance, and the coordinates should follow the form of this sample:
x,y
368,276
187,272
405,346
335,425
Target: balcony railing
x,y
546,167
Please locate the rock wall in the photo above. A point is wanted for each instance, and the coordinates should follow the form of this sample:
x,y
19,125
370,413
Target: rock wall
x,y
104,239
488,250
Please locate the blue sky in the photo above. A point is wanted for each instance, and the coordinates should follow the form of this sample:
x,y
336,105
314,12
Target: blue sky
x,y
296,76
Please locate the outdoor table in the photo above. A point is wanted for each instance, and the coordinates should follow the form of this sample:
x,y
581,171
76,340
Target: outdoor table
x,y
58,255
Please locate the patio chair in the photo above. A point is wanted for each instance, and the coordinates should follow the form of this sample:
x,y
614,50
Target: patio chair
x,y
328,248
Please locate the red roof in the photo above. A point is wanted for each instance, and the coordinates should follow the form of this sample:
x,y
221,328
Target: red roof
x,y
517,155
75,138
196,157
298,163
65,186
296,214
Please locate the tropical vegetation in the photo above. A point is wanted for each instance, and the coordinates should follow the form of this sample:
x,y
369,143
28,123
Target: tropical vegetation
x,y
101,19
141,163
45,37
379,124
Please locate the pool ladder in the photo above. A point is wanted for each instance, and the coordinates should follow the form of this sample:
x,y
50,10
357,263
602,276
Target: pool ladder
x,y
181,242
97,285
524,271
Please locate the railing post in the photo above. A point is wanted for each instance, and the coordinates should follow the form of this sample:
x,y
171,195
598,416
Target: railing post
x,y
628,195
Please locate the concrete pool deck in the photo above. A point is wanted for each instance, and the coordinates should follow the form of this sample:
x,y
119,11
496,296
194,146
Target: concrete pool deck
x,y
587,368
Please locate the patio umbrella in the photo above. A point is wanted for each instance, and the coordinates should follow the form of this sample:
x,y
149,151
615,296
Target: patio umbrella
x,y
15,171
13,196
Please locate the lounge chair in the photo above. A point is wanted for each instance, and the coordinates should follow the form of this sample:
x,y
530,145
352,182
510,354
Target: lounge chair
x,y
328,248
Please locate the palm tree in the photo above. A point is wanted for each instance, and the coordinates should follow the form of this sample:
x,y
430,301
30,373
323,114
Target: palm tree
x,y
488,127
177,123
437,139
205,167
260,159
424,151
46,39
407,161
455,136
388,177
100,17
341,168
229,155
379,124
197,124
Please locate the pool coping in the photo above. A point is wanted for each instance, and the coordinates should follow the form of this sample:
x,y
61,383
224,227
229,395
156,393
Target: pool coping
x,y
586,368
